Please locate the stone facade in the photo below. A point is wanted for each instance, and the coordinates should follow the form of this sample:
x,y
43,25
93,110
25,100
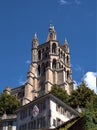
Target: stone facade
x,y
52,112
8,122
50,66
17,92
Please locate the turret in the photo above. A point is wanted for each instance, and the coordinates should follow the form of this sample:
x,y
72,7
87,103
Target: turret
x,y
66,46
7,90
34,48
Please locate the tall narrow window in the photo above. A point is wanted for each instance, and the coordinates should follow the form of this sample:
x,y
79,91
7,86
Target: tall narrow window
x,y
43,69
67,59
47,64
54,64
64,57
61,54
9,125
54,122
39,55
53,48
39,70
67,75
43,53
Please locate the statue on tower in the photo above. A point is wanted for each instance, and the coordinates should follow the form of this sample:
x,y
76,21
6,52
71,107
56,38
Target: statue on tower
x,y
52,33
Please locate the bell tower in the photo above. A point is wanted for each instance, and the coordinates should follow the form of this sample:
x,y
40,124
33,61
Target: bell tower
x,y
50,66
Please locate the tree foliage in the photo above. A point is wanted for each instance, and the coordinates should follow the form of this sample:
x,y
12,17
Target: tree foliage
x,y
86,98
90,118
60,93
90,115
8,103
95,104
82,96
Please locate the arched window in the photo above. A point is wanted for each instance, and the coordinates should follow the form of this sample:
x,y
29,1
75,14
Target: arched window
x,y
53,48
64,57
39,70
47,48
54,64
43,50
47,64
64,69
39,54
61,54
67,59
43,69
59,65
67,74
42,53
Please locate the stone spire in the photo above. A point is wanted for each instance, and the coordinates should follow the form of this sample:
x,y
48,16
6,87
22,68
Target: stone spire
x,y
35,41
66,45
35,36
66,41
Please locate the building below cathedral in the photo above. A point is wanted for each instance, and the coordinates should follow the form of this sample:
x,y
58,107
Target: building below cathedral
x,y
46,112
50,66
8,122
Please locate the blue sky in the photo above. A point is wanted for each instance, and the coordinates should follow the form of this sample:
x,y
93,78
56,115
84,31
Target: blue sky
x,y
20,19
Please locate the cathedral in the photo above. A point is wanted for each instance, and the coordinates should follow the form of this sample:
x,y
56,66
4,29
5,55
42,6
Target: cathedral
x,y
50,66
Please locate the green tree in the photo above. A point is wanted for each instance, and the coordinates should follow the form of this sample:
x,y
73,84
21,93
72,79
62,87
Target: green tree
x,y
95,103
90,119
90,115
60,93
8,103
82,96
85,97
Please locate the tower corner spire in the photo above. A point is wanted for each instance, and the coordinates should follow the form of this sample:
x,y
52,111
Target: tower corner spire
x,y
66,45
35,36
35,41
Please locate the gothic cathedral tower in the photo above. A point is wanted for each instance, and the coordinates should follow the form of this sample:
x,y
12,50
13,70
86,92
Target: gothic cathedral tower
x,y
50,66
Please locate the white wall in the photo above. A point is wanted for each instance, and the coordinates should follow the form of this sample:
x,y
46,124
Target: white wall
x,y
55,114
5,125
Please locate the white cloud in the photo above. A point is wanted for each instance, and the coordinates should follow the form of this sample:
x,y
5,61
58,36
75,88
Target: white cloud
x,y
91,80
70,2
63,2
76,84
77,2
77,68
28,62
21,81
